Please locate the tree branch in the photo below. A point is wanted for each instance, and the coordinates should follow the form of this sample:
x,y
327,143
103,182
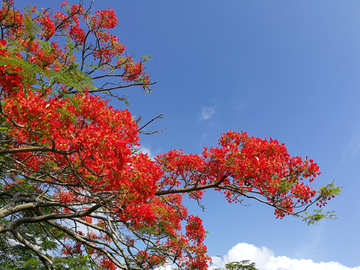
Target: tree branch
x,y
45,260
190,189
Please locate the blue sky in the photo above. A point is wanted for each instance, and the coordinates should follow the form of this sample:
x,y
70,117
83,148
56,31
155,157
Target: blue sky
x,y
285,69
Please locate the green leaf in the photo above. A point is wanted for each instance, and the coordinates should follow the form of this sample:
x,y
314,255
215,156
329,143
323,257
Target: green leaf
x,y
318,215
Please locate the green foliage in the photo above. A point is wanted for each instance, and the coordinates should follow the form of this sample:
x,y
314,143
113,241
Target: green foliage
x,y
146,58
317,216
330,189
326,192
34,75
75,263
71,263
31,29
242,265
14,255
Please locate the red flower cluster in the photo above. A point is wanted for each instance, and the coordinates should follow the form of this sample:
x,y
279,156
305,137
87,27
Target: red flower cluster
x,y
11,78
48,26
79,26
244,164
105,19
195,230
9,17
132,70
106,264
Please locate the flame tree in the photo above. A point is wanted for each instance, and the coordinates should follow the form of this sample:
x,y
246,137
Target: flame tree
x,y
74,191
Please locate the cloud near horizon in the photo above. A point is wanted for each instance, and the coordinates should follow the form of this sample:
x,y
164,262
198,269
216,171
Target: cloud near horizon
x,y
265,259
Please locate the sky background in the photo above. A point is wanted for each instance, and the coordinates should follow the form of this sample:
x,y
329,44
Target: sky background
x,y
289,70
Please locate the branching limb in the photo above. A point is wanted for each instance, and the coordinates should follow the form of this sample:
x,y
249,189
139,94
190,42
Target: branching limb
x,y
45,260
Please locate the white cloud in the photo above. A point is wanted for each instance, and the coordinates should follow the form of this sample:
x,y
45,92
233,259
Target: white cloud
x,y
265,260
207,112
